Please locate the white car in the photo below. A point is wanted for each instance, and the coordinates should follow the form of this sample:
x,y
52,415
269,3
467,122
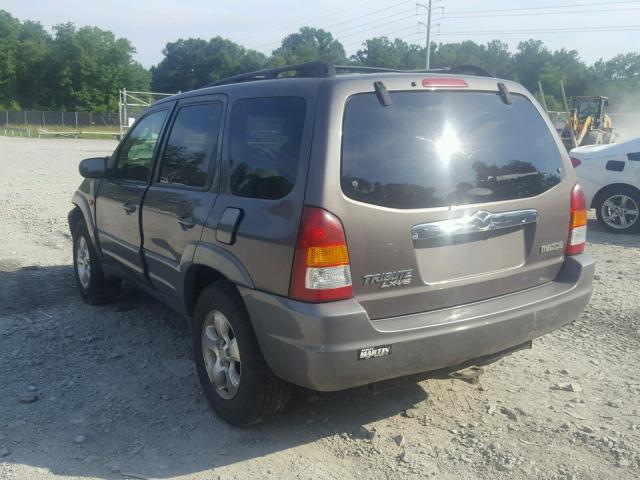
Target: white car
x,y
610,178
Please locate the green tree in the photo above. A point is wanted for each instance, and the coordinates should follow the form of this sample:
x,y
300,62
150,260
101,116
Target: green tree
x,y
194,63
9,46
306,45
31,66
88,66
619,79
529,61
382,52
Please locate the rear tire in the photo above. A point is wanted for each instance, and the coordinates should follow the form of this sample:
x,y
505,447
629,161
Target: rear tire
x,y
240,386
94,287
615,209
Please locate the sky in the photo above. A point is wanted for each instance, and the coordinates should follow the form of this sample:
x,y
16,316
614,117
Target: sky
x,y
150,24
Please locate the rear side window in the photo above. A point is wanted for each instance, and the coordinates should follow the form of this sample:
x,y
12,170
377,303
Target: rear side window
x,y
192,145
264,146
435,149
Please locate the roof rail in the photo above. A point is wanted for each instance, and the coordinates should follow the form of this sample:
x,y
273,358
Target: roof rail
x,y
317,69
359,69
325,69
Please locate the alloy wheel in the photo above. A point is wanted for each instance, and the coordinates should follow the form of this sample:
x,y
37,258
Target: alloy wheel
x,y
221,354
83,265
620,211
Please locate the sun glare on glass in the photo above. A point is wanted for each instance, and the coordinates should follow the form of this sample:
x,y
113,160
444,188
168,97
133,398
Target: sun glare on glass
x,y
448,144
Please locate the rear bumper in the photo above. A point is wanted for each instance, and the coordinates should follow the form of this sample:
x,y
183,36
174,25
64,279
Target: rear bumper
x,y
316,345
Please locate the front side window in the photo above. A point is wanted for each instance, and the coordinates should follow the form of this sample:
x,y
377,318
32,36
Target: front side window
x,y
135,156
264,148
442,148
191,145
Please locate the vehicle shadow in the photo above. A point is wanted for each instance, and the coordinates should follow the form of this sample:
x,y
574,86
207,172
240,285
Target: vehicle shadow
x,y
597,234
111,392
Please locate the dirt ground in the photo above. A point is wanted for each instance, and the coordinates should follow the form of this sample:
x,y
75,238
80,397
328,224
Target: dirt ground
x,y
110,392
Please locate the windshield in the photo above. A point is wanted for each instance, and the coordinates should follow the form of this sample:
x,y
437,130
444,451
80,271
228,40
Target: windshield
x,y
433,149
587,108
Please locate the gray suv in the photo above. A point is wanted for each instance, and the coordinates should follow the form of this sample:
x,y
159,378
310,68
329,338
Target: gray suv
x,y
331,227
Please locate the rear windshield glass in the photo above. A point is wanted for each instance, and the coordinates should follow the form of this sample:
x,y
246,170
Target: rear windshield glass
x,y
434,149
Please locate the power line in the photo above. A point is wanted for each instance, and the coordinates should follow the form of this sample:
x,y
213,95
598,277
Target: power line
x,y
403,12
609,28
599,4
412,27
360,17
373,24
307,19
349,20
380,25
571,12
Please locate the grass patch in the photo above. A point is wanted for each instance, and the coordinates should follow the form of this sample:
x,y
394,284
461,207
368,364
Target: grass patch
x,y
58,131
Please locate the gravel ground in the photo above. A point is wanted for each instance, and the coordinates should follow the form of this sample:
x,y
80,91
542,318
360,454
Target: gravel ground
x,y
110,392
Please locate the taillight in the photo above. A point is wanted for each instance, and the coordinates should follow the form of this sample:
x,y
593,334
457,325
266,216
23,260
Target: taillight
x,y
575,162
321,271
577,222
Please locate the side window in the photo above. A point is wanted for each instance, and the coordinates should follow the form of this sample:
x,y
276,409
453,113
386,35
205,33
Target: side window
x,y
136,153
191,145
264,145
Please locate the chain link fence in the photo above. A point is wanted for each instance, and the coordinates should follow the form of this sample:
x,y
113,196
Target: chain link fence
x,y
71,120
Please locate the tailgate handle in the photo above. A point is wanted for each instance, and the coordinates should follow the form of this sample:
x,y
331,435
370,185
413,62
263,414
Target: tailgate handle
x,y
228,225
480,221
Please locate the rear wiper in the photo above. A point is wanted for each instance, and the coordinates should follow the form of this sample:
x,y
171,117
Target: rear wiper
x,y
382,93
505,95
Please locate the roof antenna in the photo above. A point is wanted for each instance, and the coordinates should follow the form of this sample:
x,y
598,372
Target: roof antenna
x,y
505,95
382,93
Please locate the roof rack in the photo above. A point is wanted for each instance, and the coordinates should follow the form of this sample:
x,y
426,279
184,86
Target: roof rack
x,y
358,69
317,69
325,69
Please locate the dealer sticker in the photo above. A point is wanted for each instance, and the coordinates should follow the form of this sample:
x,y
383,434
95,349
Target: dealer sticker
x,y
374,352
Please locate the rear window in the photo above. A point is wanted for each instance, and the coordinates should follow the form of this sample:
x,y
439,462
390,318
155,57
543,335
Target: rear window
x,y
435,149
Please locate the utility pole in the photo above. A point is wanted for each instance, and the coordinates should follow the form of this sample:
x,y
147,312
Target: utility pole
x,y
427,60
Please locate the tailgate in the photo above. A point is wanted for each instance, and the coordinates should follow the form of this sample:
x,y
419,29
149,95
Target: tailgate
x,y
450,197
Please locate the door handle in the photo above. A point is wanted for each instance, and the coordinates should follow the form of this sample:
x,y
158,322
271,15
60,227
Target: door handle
x,y
129,207
186,221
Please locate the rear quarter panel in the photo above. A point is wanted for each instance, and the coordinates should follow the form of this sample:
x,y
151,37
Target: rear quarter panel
x,y
268,230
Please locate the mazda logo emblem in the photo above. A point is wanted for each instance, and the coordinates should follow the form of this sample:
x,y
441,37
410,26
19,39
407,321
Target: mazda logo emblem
x,y
482,220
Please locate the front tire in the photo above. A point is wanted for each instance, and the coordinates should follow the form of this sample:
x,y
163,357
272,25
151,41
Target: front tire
x,y
594,137
618,210
235,377
94,287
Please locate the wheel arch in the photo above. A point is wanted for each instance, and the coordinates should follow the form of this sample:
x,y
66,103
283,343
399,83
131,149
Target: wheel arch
x,y
211,264
196,280
82,211
74,216
598,197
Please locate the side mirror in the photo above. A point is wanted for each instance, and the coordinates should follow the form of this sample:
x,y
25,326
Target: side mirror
x,y
606,103
93,167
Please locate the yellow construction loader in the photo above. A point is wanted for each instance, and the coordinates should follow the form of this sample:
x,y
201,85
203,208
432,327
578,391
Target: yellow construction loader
x,y
588,124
